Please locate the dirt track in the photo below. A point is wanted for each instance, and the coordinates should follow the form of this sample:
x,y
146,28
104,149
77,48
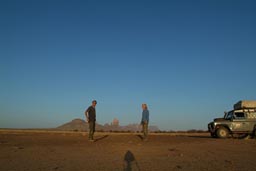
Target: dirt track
x,y
72,152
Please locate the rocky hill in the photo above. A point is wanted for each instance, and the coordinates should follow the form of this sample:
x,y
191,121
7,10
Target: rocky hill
x,y
77,125
81,125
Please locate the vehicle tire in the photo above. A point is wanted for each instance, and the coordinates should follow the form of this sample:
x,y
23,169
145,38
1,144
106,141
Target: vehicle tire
x,y
222,132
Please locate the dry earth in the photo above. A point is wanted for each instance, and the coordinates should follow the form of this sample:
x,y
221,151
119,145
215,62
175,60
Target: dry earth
x,y
46,151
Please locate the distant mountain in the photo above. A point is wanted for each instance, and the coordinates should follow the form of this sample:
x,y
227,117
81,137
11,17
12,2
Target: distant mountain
x,y
153,128
77,125
81,125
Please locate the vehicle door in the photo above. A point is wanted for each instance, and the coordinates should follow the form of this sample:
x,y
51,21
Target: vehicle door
x,y
251,118
239,123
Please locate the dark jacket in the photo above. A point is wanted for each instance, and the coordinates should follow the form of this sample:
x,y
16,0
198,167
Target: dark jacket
x,y
91,114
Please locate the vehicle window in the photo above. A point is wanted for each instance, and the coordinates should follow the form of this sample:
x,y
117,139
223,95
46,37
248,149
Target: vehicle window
x,y
229,115
239,115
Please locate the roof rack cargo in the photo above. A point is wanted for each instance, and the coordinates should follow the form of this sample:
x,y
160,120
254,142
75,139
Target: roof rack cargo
x,y
245,104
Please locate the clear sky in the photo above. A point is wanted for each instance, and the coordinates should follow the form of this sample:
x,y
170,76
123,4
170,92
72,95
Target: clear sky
x,y
188,60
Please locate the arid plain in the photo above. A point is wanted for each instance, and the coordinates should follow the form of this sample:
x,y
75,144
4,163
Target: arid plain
x,y
70,151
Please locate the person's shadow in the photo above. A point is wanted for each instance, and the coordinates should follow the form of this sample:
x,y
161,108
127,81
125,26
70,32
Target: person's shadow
x,y
130,162
141,137
101,138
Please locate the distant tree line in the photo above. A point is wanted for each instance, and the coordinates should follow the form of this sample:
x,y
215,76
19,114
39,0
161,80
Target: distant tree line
x,y
187,131
159,131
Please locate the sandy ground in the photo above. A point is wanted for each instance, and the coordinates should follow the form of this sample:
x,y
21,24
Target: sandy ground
x,y
33,151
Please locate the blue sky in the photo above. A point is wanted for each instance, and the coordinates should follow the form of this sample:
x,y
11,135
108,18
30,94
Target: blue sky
x,y
188,60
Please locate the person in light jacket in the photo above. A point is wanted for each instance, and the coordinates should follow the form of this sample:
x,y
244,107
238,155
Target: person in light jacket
x,y
145,120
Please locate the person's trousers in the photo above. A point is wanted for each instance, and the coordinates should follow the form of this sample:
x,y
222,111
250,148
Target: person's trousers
x,y
91,130
145,129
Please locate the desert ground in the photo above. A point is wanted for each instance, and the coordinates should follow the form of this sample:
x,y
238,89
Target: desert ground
x,y
70,151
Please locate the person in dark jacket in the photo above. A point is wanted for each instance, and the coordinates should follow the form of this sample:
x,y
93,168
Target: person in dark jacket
x,y
90,115
145,120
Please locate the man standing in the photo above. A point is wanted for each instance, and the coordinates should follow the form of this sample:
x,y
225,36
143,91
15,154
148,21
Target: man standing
x,y
90,115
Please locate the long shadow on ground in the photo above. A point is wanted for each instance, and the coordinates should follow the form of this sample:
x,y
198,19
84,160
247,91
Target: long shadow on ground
x,y
140,136
101,138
